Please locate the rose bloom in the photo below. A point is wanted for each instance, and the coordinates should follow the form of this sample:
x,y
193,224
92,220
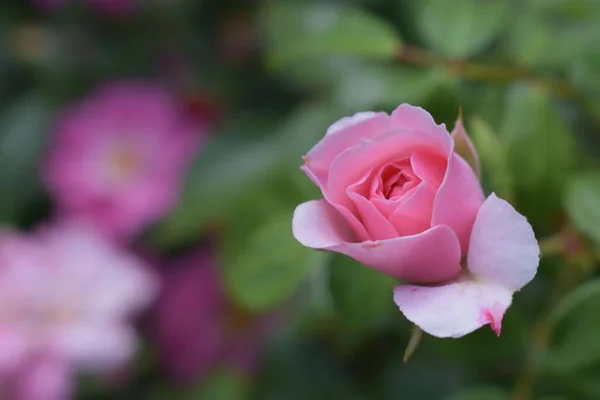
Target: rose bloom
x,y
195,326
66,299
399,199
118,157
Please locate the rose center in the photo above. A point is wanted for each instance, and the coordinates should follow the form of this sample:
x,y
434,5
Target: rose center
x,y
395,181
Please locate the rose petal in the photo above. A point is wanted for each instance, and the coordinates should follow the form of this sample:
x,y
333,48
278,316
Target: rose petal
x,y
458,200
429,167
352,164
347,122
463,146
378,227
503,247
317,224
413,215
429,257
342,135
456,309
376,224
416,118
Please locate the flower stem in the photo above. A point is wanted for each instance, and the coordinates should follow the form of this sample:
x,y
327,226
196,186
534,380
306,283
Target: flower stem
x,y
483,72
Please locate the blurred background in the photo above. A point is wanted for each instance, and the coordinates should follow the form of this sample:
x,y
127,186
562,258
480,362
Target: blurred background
x,y
175,129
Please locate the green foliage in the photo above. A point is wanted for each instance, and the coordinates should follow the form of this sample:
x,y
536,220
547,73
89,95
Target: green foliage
x,y
493,158
582,200
480,393
270,267
540,148
361,296
298,30
461,28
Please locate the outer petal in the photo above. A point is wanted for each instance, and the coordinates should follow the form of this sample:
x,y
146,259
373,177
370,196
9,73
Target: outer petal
x,y
429,257
317,224
503,247
458,200
345,133
455,309
416,118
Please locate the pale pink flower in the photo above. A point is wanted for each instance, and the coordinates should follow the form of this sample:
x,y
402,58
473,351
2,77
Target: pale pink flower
x,y
195,326
118,158
398,198
66,299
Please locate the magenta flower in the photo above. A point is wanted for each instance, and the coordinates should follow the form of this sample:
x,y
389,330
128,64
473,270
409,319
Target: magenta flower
x,y
66,297
118,157
196,327
399,199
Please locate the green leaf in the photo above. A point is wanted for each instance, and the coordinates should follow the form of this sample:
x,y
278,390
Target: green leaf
x,y
23,132
270,266
493,157
582,203
295,30
461,28
362,296
541,150
222,385
480,393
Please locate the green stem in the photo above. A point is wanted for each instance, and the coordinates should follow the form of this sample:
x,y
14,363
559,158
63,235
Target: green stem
x,y
483,72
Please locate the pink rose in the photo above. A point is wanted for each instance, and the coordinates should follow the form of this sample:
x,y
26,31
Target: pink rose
x,y
118,158
400,200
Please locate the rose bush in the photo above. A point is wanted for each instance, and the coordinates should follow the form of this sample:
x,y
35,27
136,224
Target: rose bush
x,y
398,198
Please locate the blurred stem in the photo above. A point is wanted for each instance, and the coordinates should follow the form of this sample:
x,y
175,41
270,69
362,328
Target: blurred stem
x,y
567,277
483,72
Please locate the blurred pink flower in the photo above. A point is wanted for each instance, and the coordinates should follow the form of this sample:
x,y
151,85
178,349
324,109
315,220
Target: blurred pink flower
x,y
107,7
66,296
119,156
197,328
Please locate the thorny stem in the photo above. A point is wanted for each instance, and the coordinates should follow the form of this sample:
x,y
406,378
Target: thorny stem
x,y
565,279
483,72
